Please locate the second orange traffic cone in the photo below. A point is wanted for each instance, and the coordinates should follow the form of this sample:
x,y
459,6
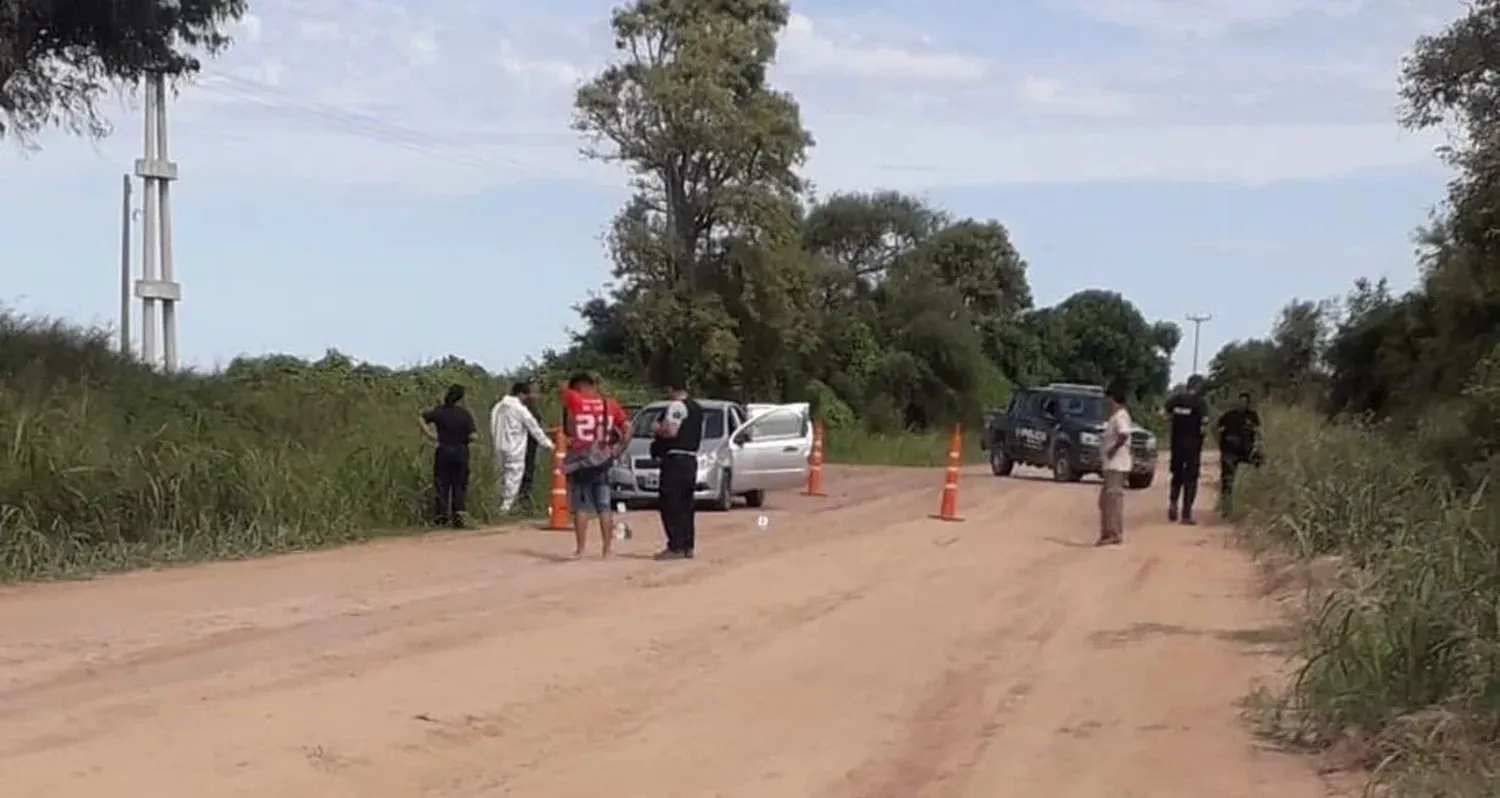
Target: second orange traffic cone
x,y
815,463
558,516
948,509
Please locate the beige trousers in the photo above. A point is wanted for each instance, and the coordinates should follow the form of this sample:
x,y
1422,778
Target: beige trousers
x,y
1112,507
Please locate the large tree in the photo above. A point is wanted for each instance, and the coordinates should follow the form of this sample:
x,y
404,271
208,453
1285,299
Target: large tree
x,y
59,57
707,253
1101,337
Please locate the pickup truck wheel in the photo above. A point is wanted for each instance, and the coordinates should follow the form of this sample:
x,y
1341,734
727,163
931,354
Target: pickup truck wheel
x,y
1062,465
1139,481
755,498
1000,463
725,500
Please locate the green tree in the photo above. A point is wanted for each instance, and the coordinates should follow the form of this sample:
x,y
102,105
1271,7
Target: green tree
x,y
1101,337
707,253
858,238
58,58
1243,366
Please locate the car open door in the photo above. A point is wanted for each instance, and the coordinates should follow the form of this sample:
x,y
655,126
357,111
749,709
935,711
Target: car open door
x,y
770,451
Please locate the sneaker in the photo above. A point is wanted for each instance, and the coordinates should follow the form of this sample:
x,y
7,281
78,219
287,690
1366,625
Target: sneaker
x,y
671,554
1188,520
1172,512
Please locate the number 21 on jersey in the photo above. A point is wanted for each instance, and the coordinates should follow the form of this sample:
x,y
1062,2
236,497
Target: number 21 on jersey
x,y
586,428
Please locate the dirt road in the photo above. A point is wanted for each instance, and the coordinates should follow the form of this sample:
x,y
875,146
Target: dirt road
x,y
854,649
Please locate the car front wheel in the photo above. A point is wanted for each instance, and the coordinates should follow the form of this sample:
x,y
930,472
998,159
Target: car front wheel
x,y
725,500
1000,463
1062,465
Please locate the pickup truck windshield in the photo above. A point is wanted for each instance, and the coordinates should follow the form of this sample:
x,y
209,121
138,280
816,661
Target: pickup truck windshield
x,y
713,422
1082,408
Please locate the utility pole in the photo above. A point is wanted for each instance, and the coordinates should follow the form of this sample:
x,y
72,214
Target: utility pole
x,y
125,267
1197,326
157,287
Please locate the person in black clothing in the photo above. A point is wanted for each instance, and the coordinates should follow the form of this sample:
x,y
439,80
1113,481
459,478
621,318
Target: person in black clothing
x,y
1239,428
451,426
678,434
528,469
1187,412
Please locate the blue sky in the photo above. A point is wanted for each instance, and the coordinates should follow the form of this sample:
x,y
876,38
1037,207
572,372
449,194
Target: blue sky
x,y
397,180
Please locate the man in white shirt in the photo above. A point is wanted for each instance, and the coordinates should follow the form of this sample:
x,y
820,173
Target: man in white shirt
x,y
1114,448
511,422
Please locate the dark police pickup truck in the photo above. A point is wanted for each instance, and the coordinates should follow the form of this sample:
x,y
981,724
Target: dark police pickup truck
x,y
1058,427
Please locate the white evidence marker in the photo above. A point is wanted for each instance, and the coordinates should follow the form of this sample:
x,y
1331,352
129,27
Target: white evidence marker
x,y
763,522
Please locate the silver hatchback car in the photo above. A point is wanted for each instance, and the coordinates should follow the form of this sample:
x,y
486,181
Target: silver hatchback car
x,y
747,450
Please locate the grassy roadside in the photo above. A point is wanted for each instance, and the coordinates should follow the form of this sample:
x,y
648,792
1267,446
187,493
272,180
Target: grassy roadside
x,y
1399,659
105,466
853,447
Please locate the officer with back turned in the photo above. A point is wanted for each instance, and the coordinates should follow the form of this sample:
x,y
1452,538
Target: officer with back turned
x,y
677,436
1187,414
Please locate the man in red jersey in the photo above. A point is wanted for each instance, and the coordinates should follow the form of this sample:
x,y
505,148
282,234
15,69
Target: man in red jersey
x,y
595,428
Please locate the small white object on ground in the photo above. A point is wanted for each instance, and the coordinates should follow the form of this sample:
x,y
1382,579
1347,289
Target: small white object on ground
x,y
622,526
763,522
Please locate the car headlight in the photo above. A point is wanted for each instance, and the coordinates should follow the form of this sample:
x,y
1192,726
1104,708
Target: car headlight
x,y
1088,438
706,461
1150,441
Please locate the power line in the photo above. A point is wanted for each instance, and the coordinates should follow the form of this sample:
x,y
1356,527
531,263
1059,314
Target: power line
x,y
359,124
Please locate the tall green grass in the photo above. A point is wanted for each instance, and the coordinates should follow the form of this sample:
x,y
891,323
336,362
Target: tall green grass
x,y
107,466
856,447
1400,656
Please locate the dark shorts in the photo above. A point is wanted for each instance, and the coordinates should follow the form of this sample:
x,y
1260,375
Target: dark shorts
x,y
588,491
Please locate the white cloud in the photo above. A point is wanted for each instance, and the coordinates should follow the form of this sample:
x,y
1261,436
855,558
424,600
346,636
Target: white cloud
x,y
805,50
1055,95
457,96
550,72
1209,17
858,154
249,28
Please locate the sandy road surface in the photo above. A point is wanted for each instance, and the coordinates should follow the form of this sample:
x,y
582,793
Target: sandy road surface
x,y
856,649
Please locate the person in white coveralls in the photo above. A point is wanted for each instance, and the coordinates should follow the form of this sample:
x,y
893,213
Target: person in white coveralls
x,y
511,422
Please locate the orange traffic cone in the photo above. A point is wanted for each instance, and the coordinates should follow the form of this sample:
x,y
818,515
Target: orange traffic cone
x,y
558,516
815,463
948,510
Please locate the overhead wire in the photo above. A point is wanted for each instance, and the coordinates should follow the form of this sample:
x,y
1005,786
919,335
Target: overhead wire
x,y
358,124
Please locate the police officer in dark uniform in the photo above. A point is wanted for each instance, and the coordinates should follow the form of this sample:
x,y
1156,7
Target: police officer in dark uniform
x,y
678,435
1239,428
451,426
1187,413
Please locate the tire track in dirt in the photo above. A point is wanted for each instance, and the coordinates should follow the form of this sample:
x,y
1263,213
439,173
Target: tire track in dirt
x,y
855,650
223,649
443,622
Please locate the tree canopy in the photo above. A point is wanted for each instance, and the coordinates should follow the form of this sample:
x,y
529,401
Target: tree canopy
x,y
58,57
1423,359
875,305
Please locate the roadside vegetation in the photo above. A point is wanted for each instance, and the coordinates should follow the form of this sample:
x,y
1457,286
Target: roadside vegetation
x,y
1382,452
894,318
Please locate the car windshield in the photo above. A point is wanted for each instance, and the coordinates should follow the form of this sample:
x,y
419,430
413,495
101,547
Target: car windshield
x,y
713,422
1082,408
